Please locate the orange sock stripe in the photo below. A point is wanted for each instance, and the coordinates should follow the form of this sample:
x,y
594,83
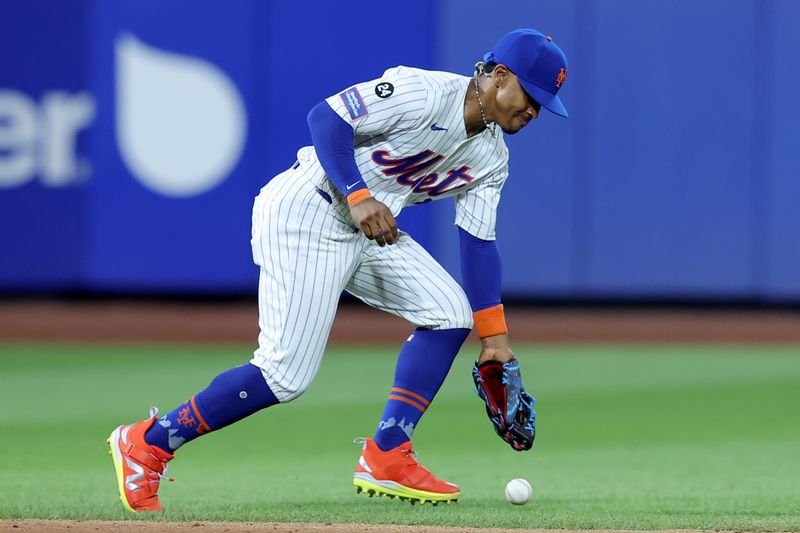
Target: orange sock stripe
x,y
490,321
355,197
412,394
203,426
407,400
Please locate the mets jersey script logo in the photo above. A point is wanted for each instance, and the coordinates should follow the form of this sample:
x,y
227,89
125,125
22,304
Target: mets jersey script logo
x,y
410,172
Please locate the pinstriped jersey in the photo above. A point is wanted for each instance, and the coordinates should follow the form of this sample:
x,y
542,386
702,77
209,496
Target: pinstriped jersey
x,y
411,146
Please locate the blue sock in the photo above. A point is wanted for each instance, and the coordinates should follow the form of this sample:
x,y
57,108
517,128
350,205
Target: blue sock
x,y
231,396
422,365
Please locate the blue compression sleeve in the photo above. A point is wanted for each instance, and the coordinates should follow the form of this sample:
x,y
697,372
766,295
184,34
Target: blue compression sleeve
x,y
333,141
480,271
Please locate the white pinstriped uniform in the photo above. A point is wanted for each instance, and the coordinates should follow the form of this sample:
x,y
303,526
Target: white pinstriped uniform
x,y
308,247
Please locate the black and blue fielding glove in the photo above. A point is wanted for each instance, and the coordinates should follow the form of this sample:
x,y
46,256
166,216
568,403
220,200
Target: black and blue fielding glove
x,y
508,404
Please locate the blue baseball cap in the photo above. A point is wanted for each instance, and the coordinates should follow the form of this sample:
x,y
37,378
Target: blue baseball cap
x,y
539,64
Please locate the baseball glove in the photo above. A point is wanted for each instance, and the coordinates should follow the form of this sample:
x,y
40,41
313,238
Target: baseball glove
x,y
508,404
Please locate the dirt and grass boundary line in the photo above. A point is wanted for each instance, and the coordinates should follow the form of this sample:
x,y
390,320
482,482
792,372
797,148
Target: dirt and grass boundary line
x,y
99,526
134,321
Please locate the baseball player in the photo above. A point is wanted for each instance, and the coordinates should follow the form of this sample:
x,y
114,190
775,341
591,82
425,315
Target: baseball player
x,y
327,224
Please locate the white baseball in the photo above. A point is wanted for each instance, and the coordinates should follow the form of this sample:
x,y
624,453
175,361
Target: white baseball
x,y
518,491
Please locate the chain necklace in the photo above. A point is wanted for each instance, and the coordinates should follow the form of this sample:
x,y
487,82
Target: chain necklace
x,y
480,106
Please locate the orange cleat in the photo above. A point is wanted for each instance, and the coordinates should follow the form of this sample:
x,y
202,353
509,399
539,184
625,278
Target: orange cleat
x,y
140,467
397,474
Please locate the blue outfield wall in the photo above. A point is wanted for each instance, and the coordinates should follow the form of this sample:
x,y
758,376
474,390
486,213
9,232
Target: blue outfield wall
x,y
676,174
44,159
777,254
134,136
209,95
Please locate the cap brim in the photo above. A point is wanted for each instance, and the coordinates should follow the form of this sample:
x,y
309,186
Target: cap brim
x,y
548,100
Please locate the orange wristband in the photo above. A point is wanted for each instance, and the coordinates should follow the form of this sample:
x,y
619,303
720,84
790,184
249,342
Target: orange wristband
x,y
490,321
355,197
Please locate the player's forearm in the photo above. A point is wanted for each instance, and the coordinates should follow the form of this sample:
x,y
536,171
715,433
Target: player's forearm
x,y
481,275
480,270
333,142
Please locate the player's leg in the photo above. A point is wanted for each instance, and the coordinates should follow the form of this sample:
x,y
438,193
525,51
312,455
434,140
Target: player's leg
x,y
231,396
142,450
305,256
405,280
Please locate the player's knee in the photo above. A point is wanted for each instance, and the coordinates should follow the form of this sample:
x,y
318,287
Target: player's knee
x,y
285,388
289,391
463,320
459,314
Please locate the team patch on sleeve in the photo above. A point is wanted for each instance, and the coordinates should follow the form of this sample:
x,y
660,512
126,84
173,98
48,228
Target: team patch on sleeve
x,y
354,103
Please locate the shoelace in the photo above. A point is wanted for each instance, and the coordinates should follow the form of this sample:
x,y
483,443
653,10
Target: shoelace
x,y
410,455
156,477
412,458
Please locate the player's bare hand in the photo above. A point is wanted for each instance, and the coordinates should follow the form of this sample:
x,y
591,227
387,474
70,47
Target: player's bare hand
x,y
375,220
495,348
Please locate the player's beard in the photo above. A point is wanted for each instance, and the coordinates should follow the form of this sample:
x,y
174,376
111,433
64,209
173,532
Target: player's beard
x,y
511,132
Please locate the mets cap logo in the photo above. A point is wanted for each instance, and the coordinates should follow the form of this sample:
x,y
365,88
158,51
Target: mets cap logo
x,y
562,77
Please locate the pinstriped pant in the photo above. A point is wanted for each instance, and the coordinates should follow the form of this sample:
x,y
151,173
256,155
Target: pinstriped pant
x,y
308,255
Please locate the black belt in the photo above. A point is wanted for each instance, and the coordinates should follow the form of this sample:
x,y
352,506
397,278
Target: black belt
x,y
325,196
322,193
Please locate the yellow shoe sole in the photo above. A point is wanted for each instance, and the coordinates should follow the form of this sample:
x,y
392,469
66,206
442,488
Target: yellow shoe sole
x,y
116,456
364,482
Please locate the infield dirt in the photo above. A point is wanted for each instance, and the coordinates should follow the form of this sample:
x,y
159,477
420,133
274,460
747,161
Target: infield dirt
x,y
71,526
132,321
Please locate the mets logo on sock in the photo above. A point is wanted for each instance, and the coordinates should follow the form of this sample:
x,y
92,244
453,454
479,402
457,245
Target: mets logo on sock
x,y
411,172
185,419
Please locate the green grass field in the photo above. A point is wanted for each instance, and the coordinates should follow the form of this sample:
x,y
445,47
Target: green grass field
x,y
629,437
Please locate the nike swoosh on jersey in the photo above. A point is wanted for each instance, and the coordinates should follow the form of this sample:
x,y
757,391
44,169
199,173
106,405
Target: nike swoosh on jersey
x,y
434,127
